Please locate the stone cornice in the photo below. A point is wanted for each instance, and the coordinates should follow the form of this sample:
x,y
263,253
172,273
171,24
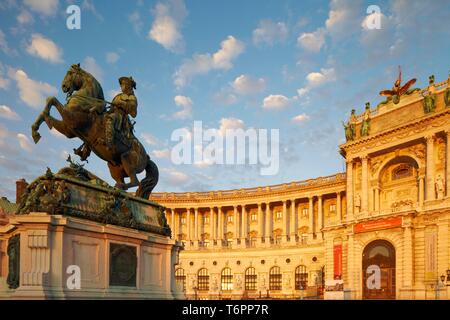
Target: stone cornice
x,y
398,132
255,195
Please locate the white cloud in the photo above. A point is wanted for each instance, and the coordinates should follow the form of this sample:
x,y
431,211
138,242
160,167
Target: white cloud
x,y
90,65
166,26
24,142
312,41
225,98
246,85
174,177
136,21
186,104
318,78
7,113
150,139
64,154
301,118
25,17
32,92
163,153
44,48
276,101
343,18
46,7
112,57
222,59
270,32
230,123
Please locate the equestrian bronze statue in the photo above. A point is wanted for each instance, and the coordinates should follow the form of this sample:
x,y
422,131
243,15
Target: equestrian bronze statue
x,y
107,131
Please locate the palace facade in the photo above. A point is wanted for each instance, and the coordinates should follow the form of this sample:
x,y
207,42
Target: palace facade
x,y
382,227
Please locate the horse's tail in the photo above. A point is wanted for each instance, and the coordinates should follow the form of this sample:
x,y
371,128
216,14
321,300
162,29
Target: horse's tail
x,y
149,182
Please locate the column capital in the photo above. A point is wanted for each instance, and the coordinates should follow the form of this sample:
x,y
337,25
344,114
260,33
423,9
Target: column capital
x,y
319,196
430,137
349,161
364,157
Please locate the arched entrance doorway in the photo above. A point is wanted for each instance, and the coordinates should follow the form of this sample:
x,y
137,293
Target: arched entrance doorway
x,y
378,264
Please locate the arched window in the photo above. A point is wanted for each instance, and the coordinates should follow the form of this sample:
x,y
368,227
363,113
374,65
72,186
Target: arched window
x,y
301,278
203,279
226,280
180,278
250,279
402,171
275,278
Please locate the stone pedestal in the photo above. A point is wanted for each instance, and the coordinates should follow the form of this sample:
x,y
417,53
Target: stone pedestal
x,y
53,246
75,237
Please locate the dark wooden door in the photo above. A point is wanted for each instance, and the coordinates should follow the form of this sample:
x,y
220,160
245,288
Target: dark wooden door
x,y
379,270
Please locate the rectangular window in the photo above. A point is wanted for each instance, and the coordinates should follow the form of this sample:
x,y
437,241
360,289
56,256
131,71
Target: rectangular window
x,y
253,241
230,218
332,207
279,215
254,217
304,212
183,220
205,219
229,243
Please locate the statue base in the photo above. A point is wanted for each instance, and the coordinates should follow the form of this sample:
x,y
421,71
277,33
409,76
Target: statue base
x,y
71,258
74,237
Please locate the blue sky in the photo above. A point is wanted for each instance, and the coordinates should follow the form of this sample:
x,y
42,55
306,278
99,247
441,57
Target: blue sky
x,y
296,66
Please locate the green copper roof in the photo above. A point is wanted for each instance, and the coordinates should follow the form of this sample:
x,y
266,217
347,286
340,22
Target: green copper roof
x,y
7,206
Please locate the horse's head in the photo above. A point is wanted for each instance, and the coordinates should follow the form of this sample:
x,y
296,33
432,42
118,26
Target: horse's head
x,y
73,79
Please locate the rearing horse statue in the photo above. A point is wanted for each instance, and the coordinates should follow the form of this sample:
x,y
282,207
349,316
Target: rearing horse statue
x,y
126,158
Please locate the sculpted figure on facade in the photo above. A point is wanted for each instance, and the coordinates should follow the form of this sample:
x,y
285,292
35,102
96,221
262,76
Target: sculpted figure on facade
x,y
447,92
350,127
439,185
365,125
358,202
429,101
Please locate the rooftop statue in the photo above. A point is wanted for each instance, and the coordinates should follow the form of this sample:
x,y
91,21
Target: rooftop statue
x,y
447,92
398,90
350,127
107,131
365,124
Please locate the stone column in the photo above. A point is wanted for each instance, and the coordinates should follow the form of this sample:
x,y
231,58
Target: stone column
x,y
188,226
196,226
377,199
220,226
236,224
408,260
285,230
421,190
268,223
260,224
292,222
319,216
211,224
364,185
339,207
430,193
311,218
447,163
349,190
244,230
172,223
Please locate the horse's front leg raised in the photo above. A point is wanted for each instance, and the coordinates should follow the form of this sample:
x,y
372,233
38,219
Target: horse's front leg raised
x,y
41,118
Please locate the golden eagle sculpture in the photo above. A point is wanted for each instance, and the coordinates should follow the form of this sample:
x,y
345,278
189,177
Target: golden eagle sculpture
x,y
398,90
